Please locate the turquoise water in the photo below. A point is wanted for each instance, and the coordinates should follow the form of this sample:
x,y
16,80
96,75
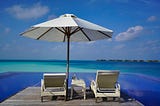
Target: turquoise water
x,y
149,69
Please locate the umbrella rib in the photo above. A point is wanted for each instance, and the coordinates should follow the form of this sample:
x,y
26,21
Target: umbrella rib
x,y
34,28
64,38
63,28
85,34
60,30
44,33
104,34
76,30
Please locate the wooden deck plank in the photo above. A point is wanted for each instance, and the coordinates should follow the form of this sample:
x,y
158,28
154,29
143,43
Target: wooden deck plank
x,y
31,97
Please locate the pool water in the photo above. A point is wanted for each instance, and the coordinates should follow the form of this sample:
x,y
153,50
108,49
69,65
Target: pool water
x,y
140,87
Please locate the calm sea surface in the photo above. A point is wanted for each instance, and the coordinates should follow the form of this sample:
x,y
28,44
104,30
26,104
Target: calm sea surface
x,y
149,69
139,80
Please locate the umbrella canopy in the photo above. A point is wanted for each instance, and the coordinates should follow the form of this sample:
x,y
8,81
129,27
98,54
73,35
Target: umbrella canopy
x,y
67,28
79,29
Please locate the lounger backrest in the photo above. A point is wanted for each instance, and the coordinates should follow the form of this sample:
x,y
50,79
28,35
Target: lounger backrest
x,y
54,80
107,79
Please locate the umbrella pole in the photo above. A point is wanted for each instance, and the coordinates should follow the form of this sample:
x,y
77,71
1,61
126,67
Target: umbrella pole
x,y
68,47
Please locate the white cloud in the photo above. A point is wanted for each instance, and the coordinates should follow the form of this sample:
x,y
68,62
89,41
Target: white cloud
x,y
118,47
7,30
5,47
59,47
130,34
153,45
145,1
108,1
90,43
150,49
34,11
152,18
52,17
92,1
109,40
121,1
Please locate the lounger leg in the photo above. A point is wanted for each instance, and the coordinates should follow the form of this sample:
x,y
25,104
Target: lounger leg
x,y
84,91
71,92
64,98
84,94
41,98
89,88
119,99
96,99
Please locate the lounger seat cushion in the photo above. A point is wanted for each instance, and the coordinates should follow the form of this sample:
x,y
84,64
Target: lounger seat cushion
x,y
53,89
106,91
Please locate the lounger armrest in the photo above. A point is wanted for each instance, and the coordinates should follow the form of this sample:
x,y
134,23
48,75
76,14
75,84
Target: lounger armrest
x,y
118,86
42,85
93,83
65,84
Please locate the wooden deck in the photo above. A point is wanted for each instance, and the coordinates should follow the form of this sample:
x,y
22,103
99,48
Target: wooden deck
x,y
31,97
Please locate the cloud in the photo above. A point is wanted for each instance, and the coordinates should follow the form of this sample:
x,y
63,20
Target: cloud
x,y
92,1
118,47
59,47
52,17
109,40
152,19
7,30
130,34
21,12
5,47
90,43
149,49
109,1
153,45
122,1
145,1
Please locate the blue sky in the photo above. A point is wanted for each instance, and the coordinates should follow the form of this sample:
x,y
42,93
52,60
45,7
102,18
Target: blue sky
x,y
136,26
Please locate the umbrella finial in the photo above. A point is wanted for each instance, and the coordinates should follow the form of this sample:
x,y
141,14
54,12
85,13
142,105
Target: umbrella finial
x,y
68,15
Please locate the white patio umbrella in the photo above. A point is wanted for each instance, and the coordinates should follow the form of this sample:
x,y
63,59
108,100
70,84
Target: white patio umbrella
x,y
67,28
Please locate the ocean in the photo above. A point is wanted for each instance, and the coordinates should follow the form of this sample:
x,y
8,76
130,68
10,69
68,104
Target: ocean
x,y
145,68
140,80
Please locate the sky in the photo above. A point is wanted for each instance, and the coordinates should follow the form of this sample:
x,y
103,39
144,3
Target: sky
x,y
136,26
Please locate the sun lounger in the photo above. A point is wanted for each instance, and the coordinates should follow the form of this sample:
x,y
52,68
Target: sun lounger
x,y
106,84
53,84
